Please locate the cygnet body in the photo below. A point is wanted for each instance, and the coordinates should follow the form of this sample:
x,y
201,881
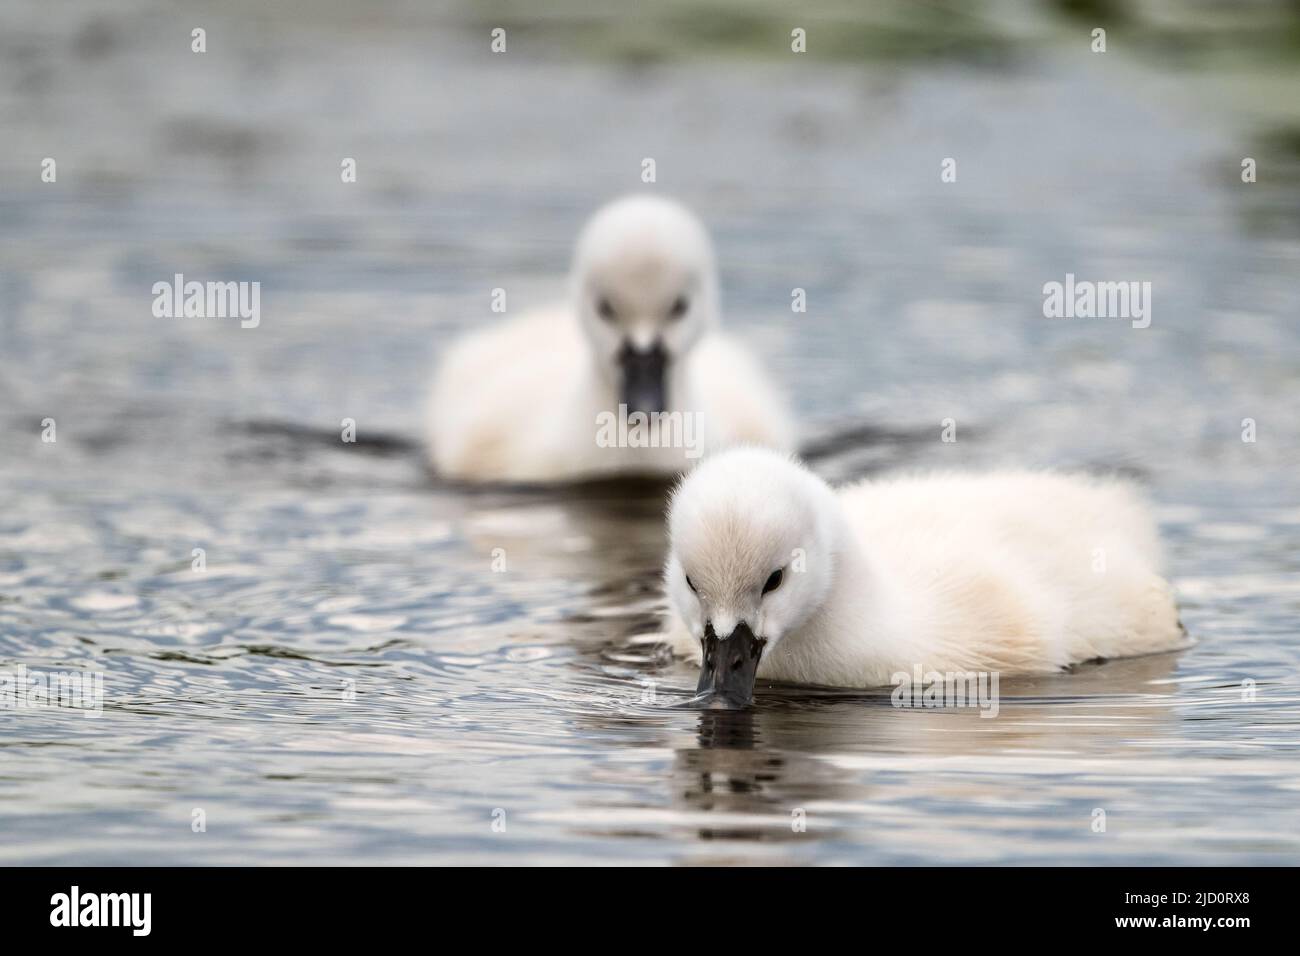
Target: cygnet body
x,y
630,377
772,574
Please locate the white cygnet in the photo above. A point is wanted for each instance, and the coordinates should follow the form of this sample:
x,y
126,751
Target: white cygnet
x,y
630,377
772,574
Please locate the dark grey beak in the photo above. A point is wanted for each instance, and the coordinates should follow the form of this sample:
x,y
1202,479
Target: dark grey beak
x,y
642,385
729,668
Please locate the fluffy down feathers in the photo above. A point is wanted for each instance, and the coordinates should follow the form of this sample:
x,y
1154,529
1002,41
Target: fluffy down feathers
x,y
1012,571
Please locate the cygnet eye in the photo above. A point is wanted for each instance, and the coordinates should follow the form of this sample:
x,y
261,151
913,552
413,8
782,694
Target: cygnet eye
x,y
773,581
605,309
691,584
679,307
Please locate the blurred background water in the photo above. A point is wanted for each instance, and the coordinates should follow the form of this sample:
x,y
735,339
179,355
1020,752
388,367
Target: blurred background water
x,y
538,695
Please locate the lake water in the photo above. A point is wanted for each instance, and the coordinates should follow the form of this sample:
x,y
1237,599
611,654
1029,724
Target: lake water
x,y
350,680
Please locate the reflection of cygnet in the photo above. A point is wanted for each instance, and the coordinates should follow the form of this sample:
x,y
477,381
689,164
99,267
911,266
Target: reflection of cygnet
x,y
772,574
538,398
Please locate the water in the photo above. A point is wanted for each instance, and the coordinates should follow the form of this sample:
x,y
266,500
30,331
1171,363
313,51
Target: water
x,y
536,696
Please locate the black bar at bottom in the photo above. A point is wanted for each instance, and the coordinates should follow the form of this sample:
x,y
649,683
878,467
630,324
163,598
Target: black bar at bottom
x,y
299,906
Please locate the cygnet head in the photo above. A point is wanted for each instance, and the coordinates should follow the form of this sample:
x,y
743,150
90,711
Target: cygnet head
x,y
753,539
645,288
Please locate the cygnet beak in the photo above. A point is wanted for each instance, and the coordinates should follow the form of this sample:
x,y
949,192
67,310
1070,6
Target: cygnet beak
x,y
729,668
642,373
